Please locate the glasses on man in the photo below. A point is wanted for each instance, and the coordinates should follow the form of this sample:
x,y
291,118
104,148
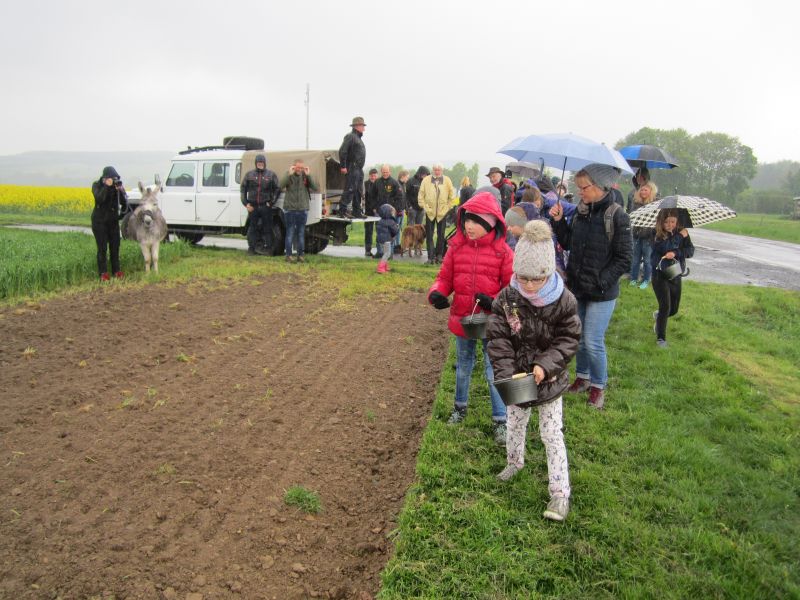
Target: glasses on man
x,y
583,188
522,279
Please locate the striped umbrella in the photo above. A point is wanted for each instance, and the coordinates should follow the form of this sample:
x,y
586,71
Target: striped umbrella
x,y
693,211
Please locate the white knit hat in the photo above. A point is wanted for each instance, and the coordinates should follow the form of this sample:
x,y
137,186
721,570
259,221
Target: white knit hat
x,y
535,254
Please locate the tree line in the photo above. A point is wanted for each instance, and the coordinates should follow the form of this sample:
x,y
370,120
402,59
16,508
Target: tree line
x,y
720,167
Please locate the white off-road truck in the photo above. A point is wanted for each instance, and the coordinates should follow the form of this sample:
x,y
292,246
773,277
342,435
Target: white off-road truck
x,y
201,194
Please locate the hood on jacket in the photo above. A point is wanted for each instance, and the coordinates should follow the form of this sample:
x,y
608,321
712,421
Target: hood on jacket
x,y
386,211
423,171
261,158
481,203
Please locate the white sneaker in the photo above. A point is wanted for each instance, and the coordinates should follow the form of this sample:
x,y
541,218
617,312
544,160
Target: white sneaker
x,y
557,509
508,472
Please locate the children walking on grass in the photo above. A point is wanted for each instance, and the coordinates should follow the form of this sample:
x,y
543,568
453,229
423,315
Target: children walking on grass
x,y
476,266
534,328
387,232
672,242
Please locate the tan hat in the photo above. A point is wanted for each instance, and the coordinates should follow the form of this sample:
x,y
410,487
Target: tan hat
x,y
358,121
535,254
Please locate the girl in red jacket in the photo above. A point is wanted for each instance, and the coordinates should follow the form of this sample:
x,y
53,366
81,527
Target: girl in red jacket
x,y
477,265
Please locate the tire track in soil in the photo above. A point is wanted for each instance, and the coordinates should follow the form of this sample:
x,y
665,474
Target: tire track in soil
x,y
182,490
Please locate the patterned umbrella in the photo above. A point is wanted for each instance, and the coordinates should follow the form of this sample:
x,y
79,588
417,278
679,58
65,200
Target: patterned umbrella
x,y
694,211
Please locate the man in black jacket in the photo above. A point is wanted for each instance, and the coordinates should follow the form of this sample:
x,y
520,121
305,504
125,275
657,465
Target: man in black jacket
x,y
110,205
371,192
497,178
352,155
416,216
260,191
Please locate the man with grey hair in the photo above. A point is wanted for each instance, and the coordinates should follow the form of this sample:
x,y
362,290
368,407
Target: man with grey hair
x,y
436,196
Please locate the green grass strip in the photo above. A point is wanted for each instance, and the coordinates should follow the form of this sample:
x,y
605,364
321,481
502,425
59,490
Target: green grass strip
x,y
685,487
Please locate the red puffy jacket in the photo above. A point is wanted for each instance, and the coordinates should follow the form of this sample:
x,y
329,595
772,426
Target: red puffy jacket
x,y
482,266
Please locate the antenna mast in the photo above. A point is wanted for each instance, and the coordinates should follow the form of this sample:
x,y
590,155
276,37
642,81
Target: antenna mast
x,y
308,101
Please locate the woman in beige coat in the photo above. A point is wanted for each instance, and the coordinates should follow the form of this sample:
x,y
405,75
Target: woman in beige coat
x,y
436,196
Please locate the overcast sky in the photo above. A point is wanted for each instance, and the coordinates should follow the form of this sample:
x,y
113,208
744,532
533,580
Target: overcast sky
x,y
433,80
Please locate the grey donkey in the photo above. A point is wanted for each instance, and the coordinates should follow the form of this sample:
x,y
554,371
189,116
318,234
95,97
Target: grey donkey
x,y
146,224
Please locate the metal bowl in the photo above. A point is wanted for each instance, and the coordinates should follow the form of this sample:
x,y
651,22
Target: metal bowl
x,y
517,390
670,268
475,325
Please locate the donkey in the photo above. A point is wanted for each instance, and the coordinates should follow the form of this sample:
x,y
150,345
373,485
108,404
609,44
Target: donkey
x,y
146,224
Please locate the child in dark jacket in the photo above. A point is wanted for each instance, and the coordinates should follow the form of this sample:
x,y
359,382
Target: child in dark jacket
x,y
387,232
534,328
476,266
672,242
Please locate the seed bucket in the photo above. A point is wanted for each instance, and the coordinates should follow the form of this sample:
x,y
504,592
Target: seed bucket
x,y
517,390
475,325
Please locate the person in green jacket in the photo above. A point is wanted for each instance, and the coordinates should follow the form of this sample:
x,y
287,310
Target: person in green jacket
x,y
298,185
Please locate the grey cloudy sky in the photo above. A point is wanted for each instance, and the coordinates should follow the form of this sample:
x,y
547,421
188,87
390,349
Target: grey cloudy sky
x,y
434,80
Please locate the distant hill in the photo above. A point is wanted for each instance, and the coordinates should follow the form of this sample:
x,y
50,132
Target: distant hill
x,y
79,169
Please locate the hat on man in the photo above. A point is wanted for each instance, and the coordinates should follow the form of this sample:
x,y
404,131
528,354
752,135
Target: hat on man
x,y
110,172
535,254
603,176
496,170
358,121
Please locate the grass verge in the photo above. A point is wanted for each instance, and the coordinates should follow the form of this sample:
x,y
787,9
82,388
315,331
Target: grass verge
x,y
685,487
768,227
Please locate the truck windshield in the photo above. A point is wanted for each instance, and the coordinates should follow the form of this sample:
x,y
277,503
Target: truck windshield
x,y
181,175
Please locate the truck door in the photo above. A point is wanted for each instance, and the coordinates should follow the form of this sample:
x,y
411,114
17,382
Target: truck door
x,y
178,199
215,197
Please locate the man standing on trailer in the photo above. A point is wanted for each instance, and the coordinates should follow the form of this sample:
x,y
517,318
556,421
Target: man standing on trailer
x,y
352,156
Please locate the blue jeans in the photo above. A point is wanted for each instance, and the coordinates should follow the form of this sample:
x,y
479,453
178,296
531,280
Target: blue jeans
x,y
465,361
642,249
591,362
296,228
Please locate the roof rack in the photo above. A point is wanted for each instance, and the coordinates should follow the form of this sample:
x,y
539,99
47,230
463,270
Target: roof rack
x,y
209,148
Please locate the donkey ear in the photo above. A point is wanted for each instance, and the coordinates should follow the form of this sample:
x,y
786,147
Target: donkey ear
x,y
141,188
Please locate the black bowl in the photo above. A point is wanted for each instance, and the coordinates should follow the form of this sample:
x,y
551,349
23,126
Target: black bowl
x,y
517,391
475,325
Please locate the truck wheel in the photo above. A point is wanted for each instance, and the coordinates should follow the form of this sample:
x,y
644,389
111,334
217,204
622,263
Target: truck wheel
x,y
315,244
192,238
278,238
249,143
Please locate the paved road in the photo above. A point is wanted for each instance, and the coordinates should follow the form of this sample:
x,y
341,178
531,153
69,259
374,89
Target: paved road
x,y
719,257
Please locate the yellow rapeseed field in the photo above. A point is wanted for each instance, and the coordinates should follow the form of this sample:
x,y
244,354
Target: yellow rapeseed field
x,y
45,200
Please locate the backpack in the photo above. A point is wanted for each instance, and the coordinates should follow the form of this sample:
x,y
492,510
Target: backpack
x,y
608,219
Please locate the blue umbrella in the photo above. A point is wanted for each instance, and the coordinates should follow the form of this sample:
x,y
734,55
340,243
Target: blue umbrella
x,y
564,151
652,157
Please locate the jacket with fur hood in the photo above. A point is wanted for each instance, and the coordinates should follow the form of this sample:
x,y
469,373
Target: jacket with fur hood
x,y
482,266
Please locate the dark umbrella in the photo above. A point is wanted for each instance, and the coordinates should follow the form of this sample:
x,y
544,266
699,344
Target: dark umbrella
x,y
652,157
524,169
693,211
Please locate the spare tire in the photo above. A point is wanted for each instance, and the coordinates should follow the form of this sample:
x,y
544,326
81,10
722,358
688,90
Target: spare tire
x,y
249,143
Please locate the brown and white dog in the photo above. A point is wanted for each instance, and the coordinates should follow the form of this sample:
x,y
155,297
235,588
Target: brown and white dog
x,y
412,237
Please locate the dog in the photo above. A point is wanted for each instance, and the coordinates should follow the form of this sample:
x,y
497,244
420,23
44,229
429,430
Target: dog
x,y
412,237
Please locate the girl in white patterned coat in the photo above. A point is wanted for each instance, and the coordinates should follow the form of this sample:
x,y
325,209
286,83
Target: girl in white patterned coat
x,y
534,328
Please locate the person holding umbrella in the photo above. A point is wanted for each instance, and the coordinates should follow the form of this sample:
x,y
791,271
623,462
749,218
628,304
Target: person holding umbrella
x,y
672,243
599,241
